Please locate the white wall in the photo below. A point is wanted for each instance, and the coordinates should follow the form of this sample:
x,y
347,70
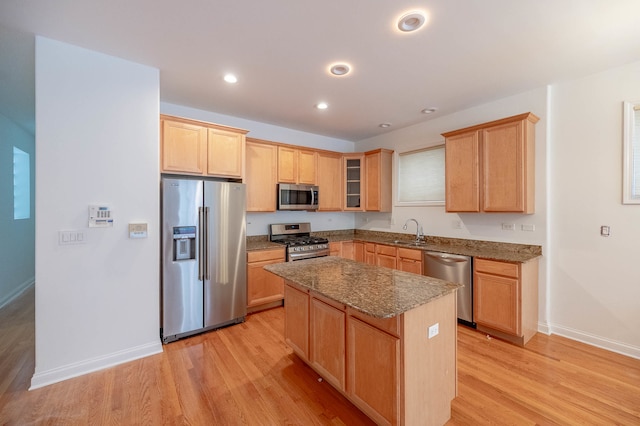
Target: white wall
x,y
484,226
97,141
595,283
17,250
257,223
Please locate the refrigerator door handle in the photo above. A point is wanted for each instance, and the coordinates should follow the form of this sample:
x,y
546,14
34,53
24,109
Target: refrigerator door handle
x,y
205,245
201,238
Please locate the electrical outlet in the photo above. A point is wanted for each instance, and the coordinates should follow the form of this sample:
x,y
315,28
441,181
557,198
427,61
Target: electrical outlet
x,y
434,330
605,231
508,226
528,227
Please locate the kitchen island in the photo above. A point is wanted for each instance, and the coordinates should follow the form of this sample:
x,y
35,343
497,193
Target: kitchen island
x,y
386,339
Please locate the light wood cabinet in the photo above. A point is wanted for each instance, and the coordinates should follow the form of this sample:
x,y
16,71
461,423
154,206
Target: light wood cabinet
x,y
348,250
263,288
410,260
327,340
370,253
296,165
330,181
358,251
354,182
373,358
385,366
491,167
296,320
378,180
386,256
505,298
335,248
199,148
261,178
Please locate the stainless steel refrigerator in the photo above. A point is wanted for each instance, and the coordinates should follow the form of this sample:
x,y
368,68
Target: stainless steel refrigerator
x,y
204,274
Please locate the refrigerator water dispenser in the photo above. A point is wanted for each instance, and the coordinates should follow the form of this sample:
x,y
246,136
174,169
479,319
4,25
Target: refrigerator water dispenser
x,y
184,243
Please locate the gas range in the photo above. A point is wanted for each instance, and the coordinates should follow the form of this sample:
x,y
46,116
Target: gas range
x,y
297,237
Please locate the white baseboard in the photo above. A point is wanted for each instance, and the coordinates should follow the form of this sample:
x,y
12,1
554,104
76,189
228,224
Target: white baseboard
x,y
59,374
16,292
598,341
544,328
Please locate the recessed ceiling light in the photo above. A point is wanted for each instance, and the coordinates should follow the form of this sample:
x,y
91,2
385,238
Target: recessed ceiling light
x,y
322,105
411,21
384,125
429,110
230,78
340,69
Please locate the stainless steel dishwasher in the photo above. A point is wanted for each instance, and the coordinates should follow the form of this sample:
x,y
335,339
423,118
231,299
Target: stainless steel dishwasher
x,y
457,269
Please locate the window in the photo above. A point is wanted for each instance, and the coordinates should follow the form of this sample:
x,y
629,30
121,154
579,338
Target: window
x,y
631,182
21,185
421,177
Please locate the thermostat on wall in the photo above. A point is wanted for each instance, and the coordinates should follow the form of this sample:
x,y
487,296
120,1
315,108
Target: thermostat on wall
x,y
137,230
100,217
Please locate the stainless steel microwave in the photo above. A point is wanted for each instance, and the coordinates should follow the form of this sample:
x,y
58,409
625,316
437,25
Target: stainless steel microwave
x,y
297,197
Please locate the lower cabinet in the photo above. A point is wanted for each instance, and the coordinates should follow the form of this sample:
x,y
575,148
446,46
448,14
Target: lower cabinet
x,y
386,367
505,297
374,365
410,260
296,320
370,253
263,287
327,346
386,256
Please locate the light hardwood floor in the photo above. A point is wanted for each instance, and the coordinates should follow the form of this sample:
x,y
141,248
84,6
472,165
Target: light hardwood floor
x,y
246,375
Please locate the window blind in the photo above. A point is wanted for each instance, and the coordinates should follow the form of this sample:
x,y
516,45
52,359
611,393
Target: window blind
x,y
421,176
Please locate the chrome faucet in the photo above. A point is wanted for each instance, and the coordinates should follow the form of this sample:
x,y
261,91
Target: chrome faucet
x,y
419,232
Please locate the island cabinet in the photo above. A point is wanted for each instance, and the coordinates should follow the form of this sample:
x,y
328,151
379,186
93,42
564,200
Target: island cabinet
x,y
264,289
386,366
199,148
296,165
505,297
491,167
261,175
330,181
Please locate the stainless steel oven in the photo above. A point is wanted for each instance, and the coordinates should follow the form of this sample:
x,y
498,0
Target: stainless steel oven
x,y
297,197
298,240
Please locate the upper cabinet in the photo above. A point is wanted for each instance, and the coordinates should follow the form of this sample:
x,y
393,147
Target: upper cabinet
x,y
198,148
378,180
261,179
491,167
354,177
330,181
296,165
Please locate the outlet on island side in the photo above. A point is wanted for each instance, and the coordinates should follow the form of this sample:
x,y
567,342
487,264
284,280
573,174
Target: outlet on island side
x,y
434,330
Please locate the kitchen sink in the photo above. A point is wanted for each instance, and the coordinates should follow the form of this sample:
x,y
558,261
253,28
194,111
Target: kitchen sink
x,y
409,243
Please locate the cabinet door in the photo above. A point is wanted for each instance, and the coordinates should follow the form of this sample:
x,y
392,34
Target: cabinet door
x,y
496,302
335,249
386,256
348,250
358,251
184,148
327,346
462,174
261,177
330,181
306,167
370,253
503,168
287,164
354,180
378,180
263,286
373,366
225,153
296,312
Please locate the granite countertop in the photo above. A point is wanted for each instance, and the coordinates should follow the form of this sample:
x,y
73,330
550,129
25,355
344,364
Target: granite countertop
x,y
261,242
376,291
508,252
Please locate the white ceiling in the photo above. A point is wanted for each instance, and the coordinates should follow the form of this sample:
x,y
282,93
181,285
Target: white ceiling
x,y
470,52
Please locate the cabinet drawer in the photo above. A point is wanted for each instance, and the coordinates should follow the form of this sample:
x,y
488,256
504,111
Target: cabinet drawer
x,y
386,250
404,253
389,325
370,247
262,255
497,268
